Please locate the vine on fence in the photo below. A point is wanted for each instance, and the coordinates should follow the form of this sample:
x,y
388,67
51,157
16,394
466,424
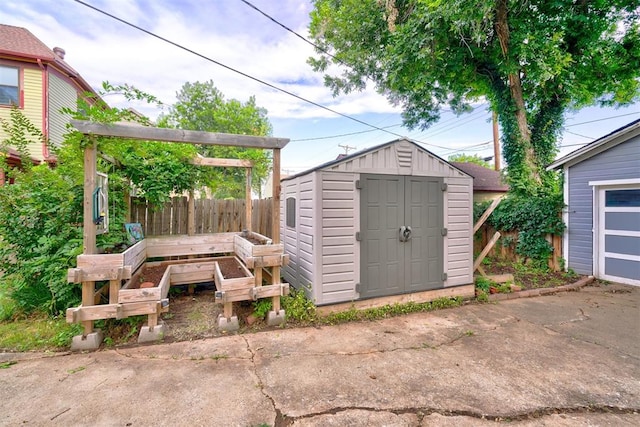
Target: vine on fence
x,y
533,218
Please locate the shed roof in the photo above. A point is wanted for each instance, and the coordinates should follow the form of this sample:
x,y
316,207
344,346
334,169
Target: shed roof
x,y
484,179
348,158
601,144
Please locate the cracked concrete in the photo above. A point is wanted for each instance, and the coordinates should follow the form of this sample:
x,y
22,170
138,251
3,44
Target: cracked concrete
x,y
564,360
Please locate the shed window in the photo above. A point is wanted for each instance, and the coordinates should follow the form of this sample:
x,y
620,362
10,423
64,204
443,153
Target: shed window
x,y
291,212
9,85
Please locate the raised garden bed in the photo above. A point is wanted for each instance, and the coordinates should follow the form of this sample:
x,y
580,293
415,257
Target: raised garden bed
x,y
257,251
230,274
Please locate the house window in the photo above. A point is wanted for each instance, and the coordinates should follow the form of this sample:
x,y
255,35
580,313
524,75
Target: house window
x,y
9,85
291,212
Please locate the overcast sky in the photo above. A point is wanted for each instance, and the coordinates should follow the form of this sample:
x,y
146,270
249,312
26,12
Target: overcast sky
x,y
228,31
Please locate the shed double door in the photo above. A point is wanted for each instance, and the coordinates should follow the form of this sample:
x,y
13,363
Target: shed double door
x,y
394,260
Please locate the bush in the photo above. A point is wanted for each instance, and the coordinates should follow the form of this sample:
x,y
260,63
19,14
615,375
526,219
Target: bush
x,y
40,217
533,218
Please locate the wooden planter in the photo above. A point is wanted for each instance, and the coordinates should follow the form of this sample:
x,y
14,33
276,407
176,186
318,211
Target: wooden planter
x,y
227,282
257,250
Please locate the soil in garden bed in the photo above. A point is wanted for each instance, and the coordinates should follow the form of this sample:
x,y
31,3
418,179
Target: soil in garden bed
x,y
231,268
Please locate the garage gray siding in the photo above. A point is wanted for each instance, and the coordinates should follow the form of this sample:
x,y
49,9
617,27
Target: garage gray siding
x,y
619,162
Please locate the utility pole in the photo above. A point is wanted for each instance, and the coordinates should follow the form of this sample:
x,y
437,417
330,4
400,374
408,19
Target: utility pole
x,y
496,143
346,148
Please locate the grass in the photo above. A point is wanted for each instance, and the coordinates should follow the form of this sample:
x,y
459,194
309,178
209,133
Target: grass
x,y
38,332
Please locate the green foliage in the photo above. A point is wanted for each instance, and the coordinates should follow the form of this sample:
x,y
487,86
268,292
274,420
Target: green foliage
x,y
533,218
531,60
483,284
40,217
201,106
298,307
389,310
21,133
37,333
157,169
468,158
262,307
479,208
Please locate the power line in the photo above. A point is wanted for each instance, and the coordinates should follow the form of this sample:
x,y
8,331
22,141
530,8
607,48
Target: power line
x,y
301,37
577,134
605,118
152,34
343,134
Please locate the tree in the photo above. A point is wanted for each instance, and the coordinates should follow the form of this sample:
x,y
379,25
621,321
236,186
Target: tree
x,y
201,106
467,158
531,60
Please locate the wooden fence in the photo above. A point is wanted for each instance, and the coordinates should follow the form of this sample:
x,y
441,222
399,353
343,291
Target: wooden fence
x,y
505,249
211,216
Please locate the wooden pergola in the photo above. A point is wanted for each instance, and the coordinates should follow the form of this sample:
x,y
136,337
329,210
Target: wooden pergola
x,y
136,132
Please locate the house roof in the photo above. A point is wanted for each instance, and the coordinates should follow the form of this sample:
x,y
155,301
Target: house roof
x,y
484,179
19,43
601,144
346,158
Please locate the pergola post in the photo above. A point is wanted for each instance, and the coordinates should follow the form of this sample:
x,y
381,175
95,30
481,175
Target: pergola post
x,y
248,202
89,228
275,233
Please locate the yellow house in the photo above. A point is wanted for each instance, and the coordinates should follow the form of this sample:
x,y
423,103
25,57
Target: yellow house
x,y
37,80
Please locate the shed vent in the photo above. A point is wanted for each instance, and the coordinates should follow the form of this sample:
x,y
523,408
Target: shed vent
x,y
405,156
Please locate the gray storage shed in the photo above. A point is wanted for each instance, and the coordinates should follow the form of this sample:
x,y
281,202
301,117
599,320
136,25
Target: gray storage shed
x,y
393,219
602,195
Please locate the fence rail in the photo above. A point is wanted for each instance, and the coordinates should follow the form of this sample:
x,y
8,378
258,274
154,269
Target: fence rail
x,y
211,216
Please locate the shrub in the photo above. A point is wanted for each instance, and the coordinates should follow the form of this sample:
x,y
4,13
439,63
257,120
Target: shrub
x,y
40,217
533,217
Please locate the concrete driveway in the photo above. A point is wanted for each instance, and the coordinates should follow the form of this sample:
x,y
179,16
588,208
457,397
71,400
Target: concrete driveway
x,y
570,359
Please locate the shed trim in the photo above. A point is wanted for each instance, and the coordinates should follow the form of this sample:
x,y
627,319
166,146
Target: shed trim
x,y
615,182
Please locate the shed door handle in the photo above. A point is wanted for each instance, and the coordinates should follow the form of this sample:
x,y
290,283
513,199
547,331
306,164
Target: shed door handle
x,y
405,233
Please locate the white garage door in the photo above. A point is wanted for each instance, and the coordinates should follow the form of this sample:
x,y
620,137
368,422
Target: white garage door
x,y
619,234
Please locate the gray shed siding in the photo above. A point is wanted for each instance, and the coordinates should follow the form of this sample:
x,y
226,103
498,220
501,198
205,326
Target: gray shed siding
x,y
298,241
459,223
619,162
61,94
332,265
337,232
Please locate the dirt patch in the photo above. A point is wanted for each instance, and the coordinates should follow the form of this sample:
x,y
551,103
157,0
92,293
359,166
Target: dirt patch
x,y
530,278
193,317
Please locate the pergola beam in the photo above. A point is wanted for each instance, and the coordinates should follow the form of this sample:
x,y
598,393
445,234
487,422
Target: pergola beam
x,y
135,131
210,161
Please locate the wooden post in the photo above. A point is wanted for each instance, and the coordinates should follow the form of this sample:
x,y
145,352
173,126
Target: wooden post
x,y
486,250
275,222
496,143
89,228
191,214
275,200
486,214
248,205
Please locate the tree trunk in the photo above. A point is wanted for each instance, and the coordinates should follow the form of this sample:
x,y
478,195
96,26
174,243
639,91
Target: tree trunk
x,y
515,87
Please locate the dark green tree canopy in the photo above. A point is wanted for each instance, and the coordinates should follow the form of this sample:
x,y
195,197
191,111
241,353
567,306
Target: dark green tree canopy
x,y
201,106
468,158
532,60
